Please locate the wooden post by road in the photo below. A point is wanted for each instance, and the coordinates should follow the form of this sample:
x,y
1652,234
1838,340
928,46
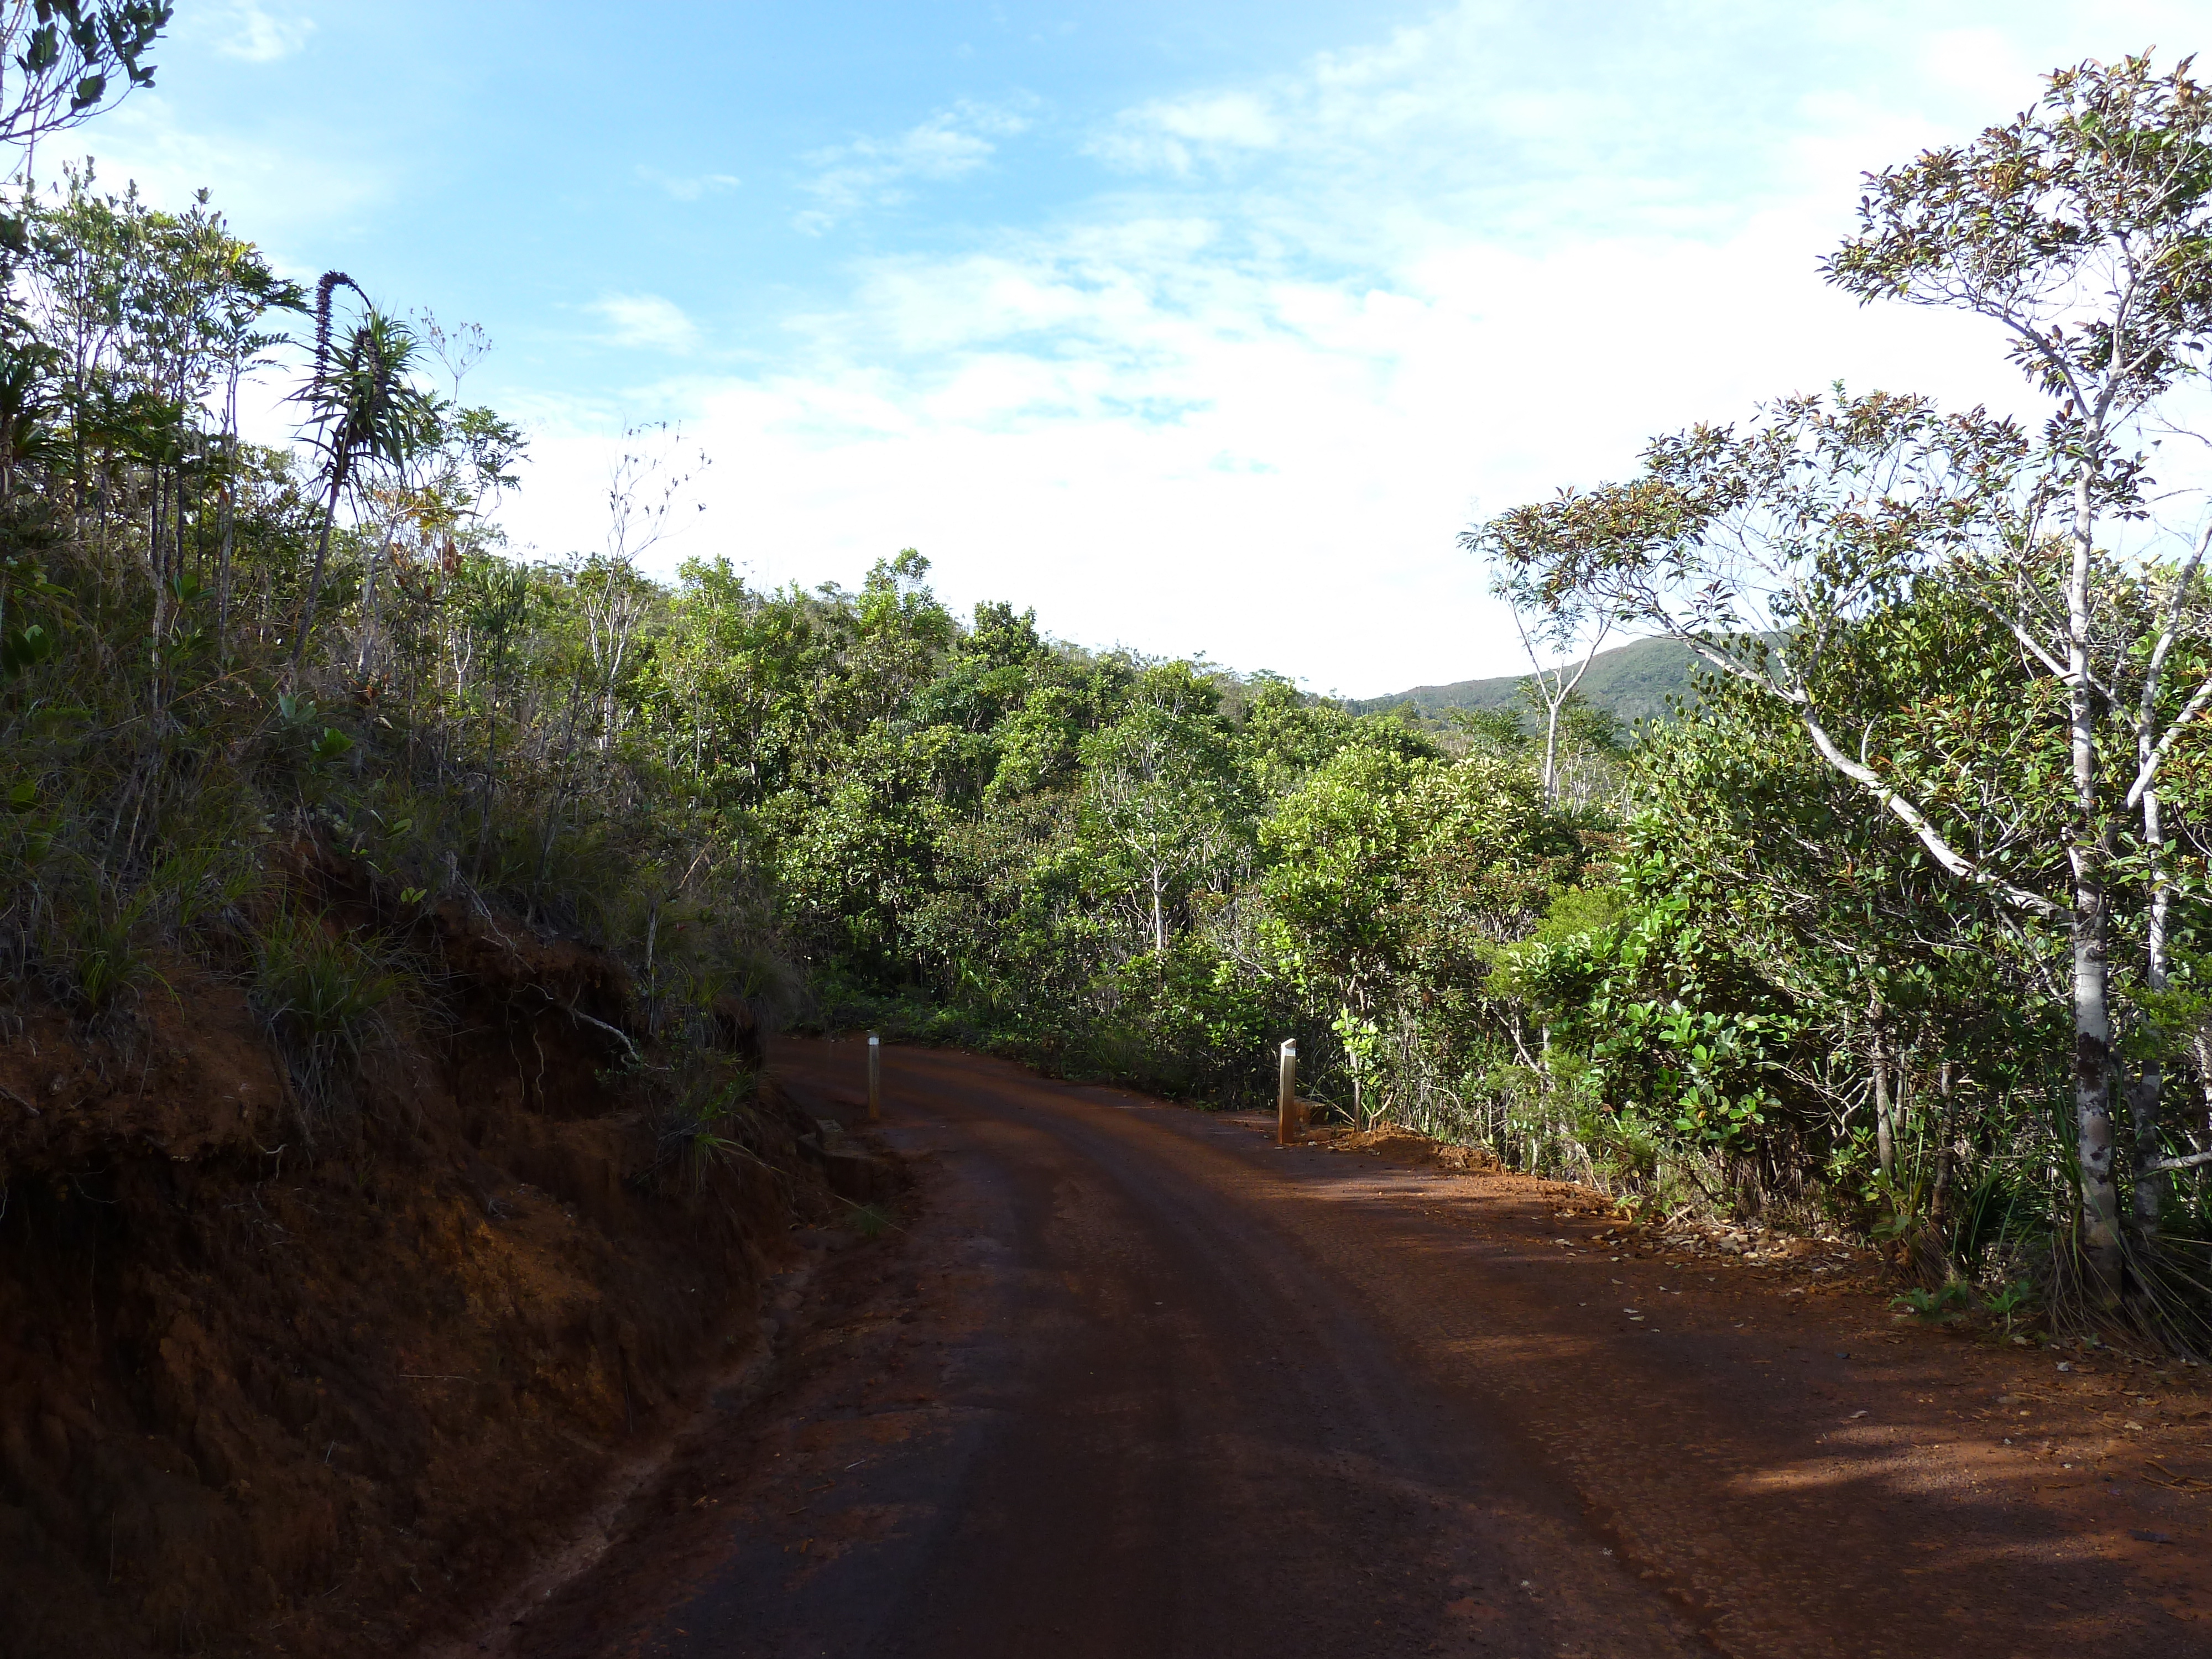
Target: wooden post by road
x,y
1287,1127
875,1078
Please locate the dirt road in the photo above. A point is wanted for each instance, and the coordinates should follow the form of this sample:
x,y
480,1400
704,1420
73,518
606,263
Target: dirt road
x,y
1131,1382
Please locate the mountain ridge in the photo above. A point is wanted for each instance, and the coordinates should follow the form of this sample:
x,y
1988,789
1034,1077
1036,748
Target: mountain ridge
x,y
1630,682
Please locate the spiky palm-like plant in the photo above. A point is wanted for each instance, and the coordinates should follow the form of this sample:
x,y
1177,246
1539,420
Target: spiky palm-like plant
x,y
363,405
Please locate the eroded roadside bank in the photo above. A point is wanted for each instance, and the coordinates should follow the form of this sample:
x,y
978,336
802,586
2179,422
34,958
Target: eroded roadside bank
x,y
264,1391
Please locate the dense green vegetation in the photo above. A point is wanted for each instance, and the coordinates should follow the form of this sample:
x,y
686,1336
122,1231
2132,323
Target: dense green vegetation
x,y
1986,641
220,661
1900,926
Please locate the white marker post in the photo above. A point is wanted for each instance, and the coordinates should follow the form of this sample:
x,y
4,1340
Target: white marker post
x,y
1287,1127
875,1078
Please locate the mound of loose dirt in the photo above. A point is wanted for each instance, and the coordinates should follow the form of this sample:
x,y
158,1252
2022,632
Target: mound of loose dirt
x,y
258,1397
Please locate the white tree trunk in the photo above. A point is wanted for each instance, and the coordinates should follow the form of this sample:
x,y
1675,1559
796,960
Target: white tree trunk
x,y
1885,1131
2092,1014
1551,750
2149,1084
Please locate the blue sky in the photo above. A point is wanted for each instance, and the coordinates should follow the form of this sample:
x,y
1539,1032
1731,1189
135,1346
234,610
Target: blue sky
x,y
1201,327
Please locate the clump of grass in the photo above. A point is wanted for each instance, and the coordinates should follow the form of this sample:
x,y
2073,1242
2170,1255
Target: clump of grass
x,y
106,960
322,995
709,1120
103,939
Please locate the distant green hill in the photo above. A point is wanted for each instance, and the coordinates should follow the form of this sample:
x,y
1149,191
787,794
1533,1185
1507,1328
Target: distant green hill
x,y
1630,682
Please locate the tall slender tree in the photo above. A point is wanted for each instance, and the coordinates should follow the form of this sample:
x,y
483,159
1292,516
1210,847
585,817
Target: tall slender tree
x,y
2083,228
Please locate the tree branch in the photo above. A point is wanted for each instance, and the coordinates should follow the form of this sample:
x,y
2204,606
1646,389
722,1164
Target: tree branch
x,y
1957,863
2034,648
2169,630
2195,707
1952,861
2167,1166
614,1031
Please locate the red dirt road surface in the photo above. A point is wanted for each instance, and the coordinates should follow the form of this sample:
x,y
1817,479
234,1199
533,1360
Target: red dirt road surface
x,y
1130,1381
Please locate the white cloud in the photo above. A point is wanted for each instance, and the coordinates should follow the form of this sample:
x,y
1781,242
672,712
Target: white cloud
x,y
689,187
302,189
647,320
1243,404
876,172
257,33
1191,458
1167,135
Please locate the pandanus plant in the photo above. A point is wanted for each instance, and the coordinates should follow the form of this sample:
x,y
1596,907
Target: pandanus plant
x,y
363,405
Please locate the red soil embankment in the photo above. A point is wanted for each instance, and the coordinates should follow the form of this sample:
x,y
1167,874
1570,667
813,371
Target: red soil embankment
x,y
260,1396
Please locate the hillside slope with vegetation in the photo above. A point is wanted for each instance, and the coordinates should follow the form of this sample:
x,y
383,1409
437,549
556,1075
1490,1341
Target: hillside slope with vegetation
x,y
1642,680
382,1144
